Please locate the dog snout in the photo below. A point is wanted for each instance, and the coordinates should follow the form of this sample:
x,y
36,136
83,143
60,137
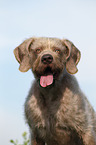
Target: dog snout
x,y
47,59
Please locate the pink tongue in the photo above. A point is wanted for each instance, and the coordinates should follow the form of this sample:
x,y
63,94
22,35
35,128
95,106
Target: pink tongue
x,y
46,80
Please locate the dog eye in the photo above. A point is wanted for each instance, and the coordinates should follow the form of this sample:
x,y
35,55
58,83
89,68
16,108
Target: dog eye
x,y
38,50
57,51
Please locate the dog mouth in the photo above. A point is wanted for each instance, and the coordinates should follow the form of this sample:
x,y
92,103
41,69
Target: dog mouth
x,y
46,79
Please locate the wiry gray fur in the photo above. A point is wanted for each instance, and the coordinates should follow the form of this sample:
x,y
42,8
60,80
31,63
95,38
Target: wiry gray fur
x,y
59,114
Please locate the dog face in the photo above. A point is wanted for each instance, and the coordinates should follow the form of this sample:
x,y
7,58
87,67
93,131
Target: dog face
x,y
47,57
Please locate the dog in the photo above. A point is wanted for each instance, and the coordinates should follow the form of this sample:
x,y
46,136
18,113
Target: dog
x,y
57,111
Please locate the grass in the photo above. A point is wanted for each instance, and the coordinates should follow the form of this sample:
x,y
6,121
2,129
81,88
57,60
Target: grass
x,y
25,140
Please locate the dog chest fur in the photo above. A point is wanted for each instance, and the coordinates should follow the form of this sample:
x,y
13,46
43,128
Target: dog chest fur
x,y
53,119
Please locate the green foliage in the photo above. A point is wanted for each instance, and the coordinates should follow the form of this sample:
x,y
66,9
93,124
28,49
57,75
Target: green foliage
x,y
25,140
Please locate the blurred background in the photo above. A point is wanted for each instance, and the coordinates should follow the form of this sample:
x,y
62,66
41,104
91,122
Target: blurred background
x,y
71,19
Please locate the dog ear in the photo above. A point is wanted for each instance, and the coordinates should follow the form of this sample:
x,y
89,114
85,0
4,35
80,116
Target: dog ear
x,y
22,55
73,57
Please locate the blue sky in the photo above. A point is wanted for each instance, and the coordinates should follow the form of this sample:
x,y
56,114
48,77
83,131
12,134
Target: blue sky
x,y
71,19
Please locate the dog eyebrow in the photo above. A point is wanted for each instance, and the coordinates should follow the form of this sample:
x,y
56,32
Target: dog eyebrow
x,y
49,43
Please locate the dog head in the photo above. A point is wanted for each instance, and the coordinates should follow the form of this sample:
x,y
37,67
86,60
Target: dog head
x,y
48,57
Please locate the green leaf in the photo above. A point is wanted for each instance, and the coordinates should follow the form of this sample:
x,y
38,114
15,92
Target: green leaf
x,y
25,140
11,141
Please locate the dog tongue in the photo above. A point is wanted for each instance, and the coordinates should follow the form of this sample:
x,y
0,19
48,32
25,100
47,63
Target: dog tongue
x,y
46,80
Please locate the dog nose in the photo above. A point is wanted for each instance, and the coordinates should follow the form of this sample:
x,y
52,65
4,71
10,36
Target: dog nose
x,y
47,59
